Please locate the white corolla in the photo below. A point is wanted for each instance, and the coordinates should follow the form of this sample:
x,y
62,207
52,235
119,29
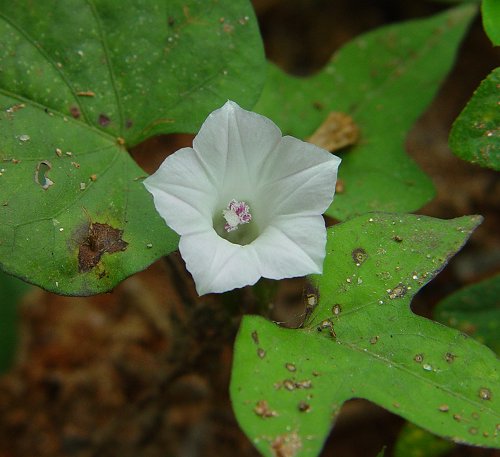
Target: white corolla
x,y
246,201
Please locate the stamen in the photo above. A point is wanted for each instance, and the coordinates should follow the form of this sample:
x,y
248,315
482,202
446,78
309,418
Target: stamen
x,y
235,214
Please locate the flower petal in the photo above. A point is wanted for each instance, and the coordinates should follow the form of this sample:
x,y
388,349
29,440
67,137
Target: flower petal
x,y
292,246
240,156
216,264
233,144
184,196
299,178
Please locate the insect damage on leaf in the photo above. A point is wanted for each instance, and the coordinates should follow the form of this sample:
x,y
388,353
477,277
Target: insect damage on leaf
x,y
100,239
41,172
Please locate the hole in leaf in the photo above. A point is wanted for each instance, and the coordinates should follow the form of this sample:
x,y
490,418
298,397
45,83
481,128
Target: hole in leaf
x,y
41,171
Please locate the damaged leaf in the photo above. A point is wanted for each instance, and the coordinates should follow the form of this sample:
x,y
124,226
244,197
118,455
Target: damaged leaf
x,y
101,239
423,371
82,81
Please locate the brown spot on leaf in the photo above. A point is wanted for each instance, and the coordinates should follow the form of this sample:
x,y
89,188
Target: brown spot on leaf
x,y
85,93
318,105
104,120
327,324
228,28
100,239
75,111
484,393
449,357
398,292
359,255
304,407
286,445
336,309
263,410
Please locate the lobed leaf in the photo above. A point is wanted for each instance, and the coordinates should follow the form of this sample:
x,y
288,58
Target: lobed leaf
x,y
474,310
362,341
82,80
475,135
384,80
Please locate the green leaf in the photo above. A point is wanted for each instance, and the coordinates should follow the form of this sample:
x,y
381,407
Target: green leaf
x,y
475,135
415,442
475,310
11,290
384,80
490,10
362,341
79,82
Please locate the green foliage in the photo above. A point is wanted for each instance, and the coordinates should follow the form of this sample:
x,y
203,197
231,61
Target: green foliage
x,y
475,135
475,310
11,290
415,442
384,80
490,10
79,82
363,341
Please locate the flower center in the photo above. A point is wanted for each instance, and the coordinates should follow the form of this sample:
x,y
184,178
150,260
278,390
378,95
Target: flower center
x,y
235,214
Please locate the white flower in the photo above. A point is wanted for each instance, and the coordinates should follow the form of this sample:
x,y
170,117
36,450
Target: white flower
x,y
246,201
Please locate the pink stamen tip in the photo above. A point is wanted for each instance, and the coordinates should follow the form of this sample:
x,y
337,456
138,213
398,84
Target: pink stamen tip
x,y
235,214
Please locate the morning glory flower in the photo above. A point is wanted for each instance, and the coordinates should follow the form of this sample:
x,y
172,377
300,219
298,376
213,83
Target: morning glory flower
x,y
246,201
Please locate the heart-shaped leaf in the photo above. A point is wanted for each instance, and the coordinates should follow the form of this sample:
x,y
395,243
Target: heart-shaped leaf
x,y
362,341
383,80
80,81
